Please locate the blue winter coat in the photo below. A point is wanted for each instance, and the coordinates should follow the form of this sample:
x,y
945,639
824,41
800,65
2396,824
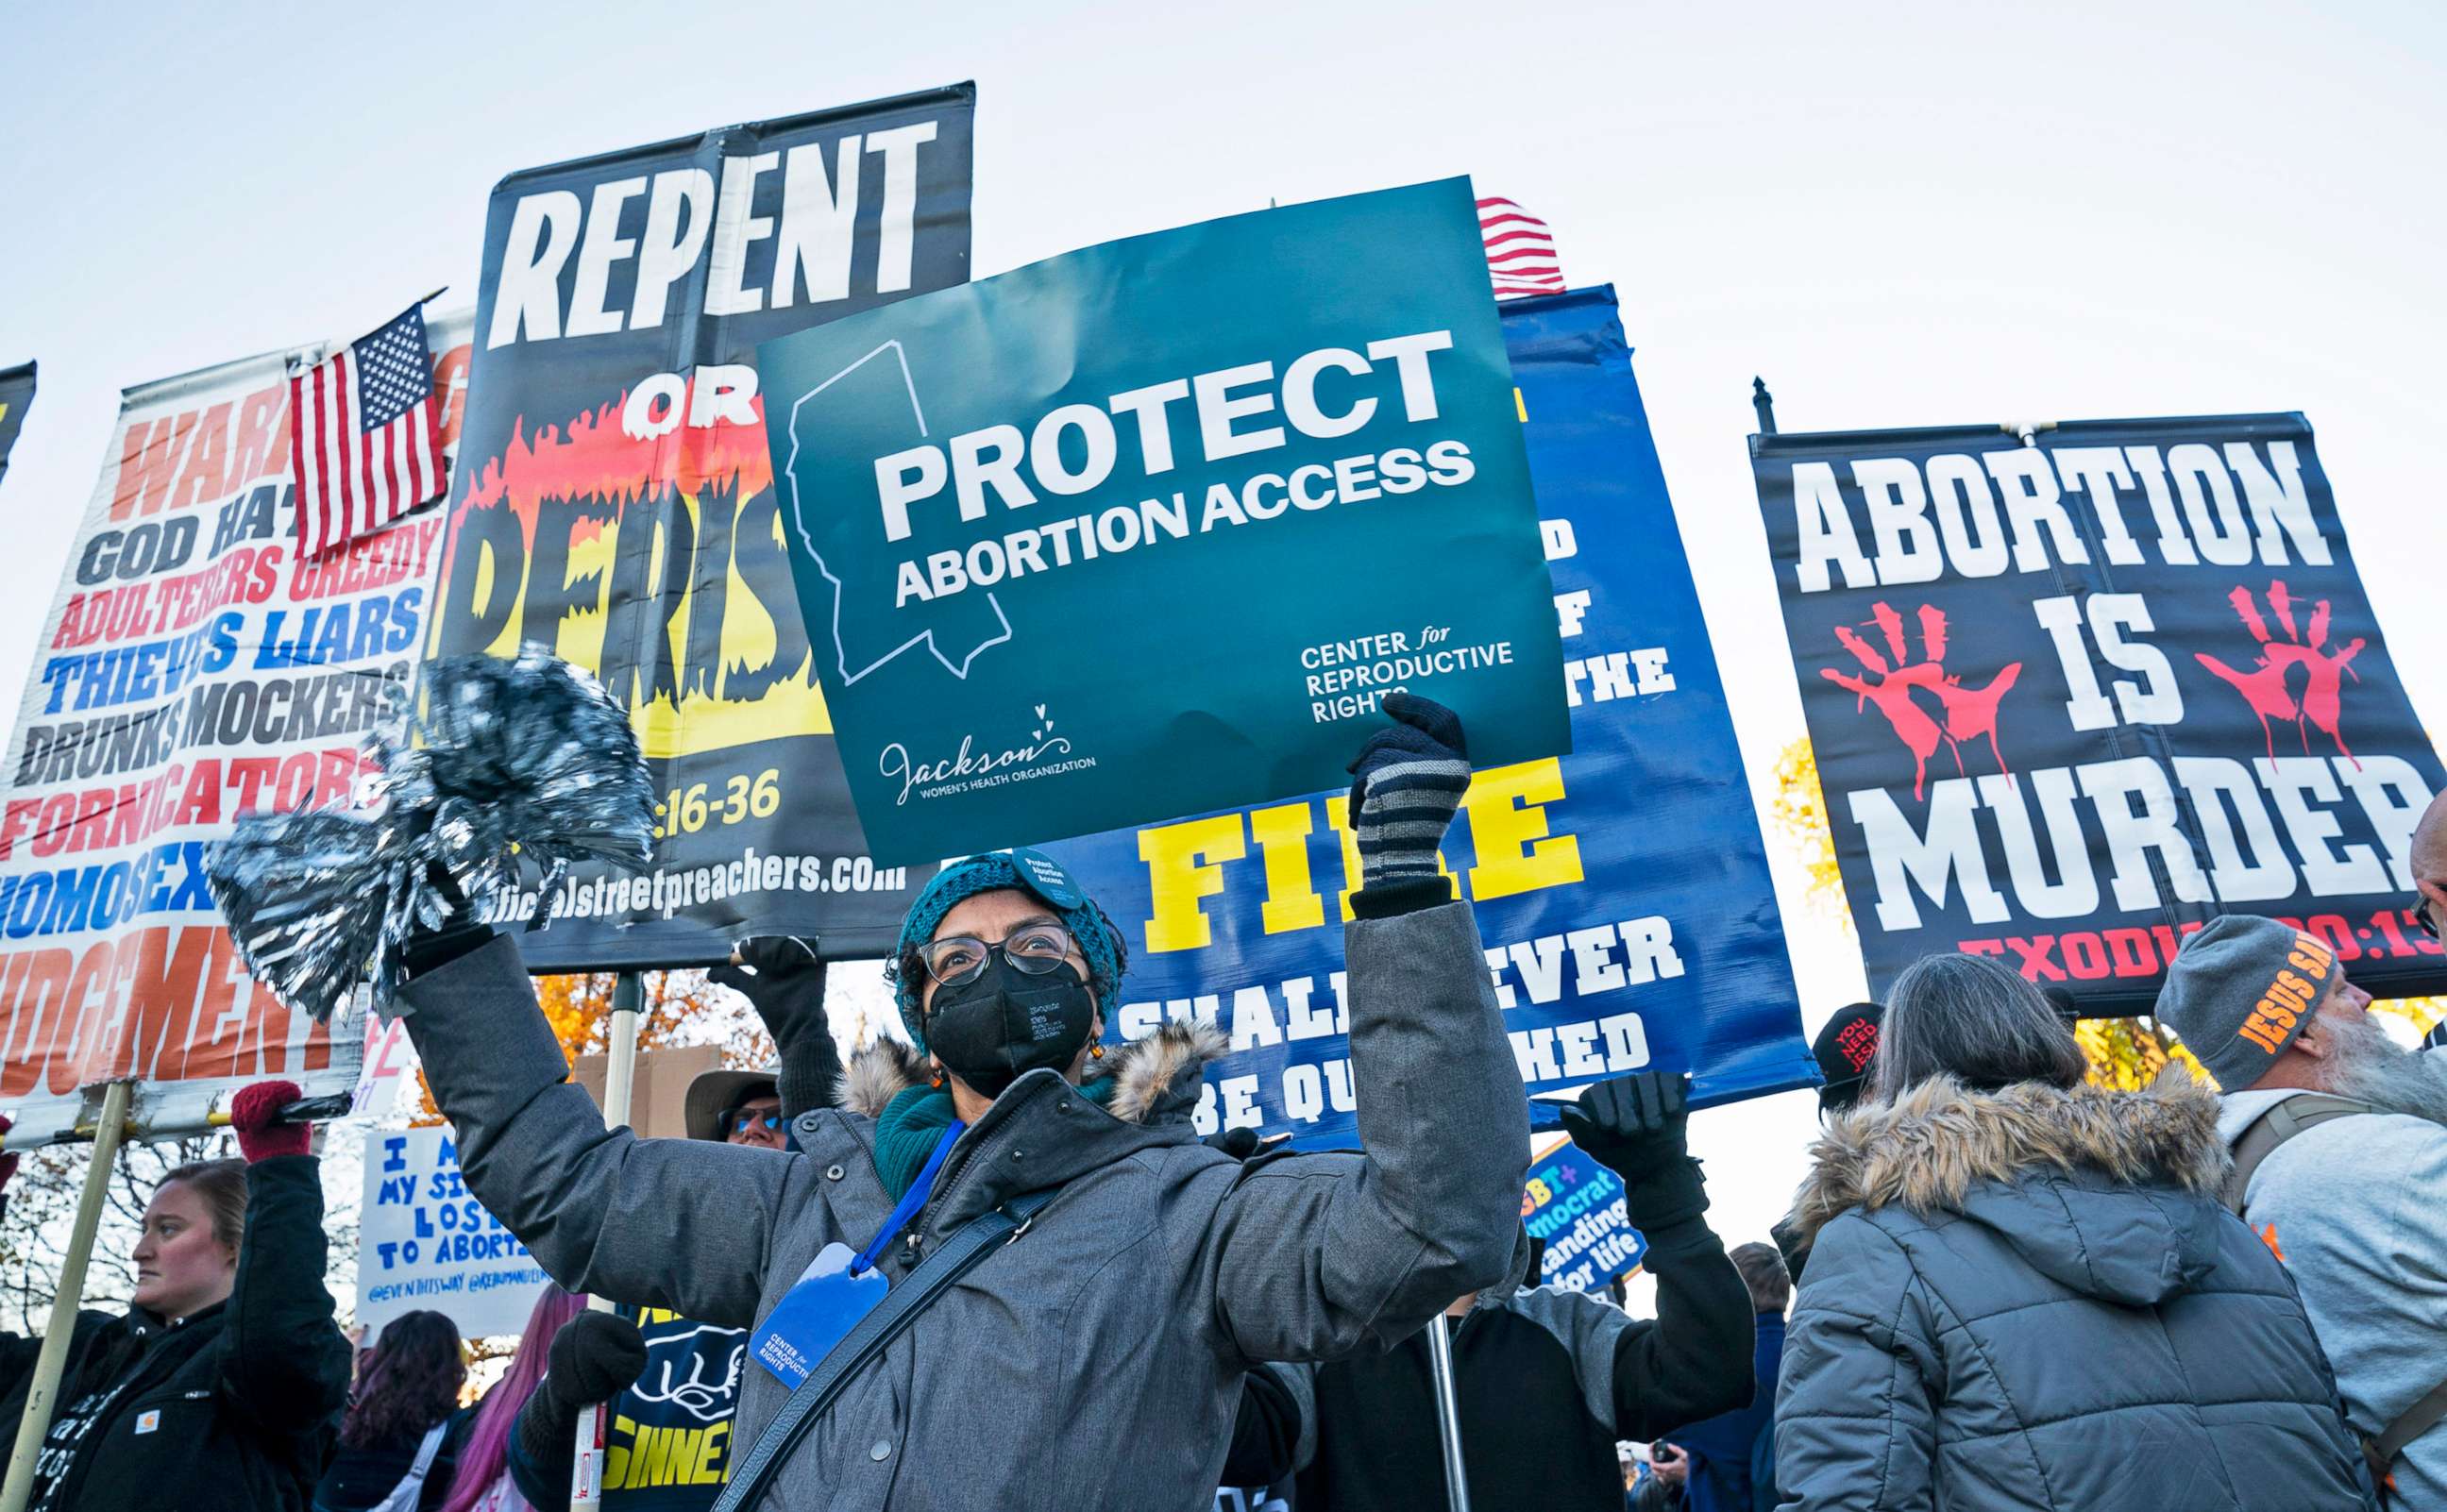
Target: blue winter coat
x,y
2031,1299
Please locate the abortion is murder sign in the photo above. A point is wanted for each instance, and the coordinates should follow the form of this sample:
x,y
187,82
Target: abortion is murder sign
x,y
2076,693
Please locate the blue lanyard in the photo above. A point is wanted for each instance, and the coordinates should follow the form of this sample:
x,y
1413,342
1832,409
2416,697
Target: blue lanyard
x,y
911,1201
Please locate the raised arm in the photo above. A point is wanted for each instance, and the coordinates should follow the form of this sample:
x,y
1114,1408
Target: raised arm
x,y
783,980
1311,1258
282,1361
676,1223
1695,1360
594,1356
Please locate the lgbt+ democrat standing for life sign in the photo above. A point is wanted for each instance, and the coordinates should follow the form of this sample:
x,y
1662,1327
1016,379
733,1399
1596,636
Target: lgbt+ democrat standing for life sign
x,y
1152,527
1621,891
2076,693
1574,1207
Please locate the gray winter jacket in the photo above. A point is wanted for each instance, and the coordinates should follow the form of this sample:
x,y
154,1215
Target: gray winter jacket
x,y
2358,1207
2033,1299
1116,1331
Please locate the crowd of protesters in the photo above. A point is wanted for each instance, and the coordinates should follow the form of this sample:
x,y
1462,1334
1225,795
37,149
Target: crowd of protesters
x,y
2007,1288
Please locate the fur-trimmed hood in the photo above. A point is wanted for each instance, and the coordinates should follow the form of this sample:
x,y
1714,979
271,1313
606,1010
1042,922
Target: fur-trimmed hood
x,y
1153,1080
1925,1150
2110,1160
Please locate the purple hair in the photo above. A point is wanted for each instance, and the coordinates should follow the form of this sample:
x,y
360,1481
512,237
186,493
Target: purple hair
x,y
486,1453
410,1380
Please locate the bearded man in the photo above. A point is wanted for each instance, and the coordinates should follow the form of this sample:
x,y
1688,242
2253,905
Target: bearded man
x,y
2340,1143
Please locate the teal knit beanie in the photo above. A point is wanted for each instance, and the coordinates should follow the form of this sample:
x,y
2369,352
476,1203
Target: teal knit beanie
x,y
1024,870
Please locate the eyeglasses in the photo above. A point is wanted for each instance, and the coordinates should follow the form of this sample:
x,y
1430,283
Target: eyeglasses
x,y
956,958
740,1120
2420,909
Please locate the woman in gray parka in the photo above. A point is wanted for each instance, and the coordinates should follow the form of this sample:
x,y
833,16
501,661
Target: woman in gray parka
x,y
1097,1360
2026,1294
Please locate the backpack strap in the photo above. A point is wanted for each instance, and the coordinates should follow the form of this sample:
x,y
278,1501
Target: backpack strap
x,y
410,1489
2285,1119
2410,1424
863,1345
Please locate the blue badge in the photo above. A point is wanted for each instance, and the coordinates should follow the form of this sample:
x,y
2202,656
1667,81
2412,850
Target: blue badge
x,y
838,1287
815,1314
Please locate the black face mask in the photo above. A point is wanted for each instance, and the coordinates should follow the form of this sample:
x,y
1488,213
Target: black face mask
x,y
999,1022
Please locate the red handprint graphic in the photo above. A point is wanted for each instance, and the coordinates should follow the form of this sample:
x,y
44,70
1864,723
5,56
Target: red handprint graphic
x,y
2265,687
1963,712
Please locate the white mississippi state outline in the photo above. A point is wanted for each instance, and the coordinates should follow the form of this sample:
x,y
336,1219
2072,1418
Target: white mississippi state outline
x,y
798,519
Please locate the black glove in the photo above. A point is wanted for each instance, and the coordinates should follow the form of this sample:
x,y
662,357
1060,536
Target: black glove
x,y
1405,783
594,1356
459,933
781,975
1633,1126
787,988
1239,1144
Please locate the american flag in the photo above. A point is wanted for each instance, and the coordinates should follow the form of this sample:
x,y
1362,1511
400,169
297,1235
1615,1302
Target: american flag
x,y
366,438
1519,250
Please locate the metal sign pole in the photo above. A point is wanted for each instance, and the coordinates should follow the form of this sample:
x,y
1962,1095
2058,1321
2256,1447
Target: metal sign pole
x,y
586,1469
42,1392
1440,1374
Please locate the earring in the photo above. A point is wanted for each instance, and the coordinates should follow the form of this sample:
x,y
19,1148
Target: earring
x,y
1096,1050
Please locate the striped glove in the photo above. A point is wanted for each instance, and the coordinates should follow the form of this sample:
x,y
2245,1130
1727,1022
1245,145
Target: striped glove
x,y
1407,783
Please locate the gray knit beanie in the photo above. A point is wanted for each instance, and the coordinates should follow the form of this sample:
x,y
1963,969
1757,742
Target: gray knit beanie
x,y
2241,989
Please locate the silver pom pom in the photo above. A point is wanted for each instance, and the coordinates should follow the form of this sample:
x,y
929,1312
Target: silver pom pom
x,y
509,758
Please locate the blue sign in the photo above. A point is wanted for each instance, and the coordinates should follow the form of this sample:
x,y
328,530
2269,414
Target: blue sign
x,y
1622,890
1574,1207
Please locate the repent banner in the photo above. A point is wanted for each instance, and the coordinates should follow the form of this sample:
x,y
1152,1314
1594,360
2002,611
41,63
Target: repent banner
x,y
617,503
2075,695
1152,527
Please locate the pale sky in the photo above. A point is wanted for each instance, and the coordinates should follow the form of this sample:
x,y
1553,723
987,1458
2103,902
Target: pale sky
x,y
1901,215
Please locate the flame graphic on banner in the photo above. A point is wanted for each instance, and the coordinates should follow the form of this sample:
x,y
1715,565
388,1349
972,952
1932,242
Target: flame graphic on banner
x,y
731,665
595,458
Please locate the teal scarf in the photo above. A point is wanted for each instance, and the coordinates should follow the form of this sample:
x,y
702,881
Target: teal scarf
x,y
913,1122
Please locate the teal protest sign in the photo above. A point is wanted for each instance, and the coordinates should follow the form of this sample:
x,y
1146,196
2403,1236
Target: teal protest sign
x,y
1151,528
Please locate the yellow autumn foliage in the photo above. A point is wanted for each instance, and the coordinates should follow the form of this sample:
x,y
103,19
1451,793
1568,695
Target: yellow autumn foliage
x,y
2424,1013
1799,814
579,1008
2128,1054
